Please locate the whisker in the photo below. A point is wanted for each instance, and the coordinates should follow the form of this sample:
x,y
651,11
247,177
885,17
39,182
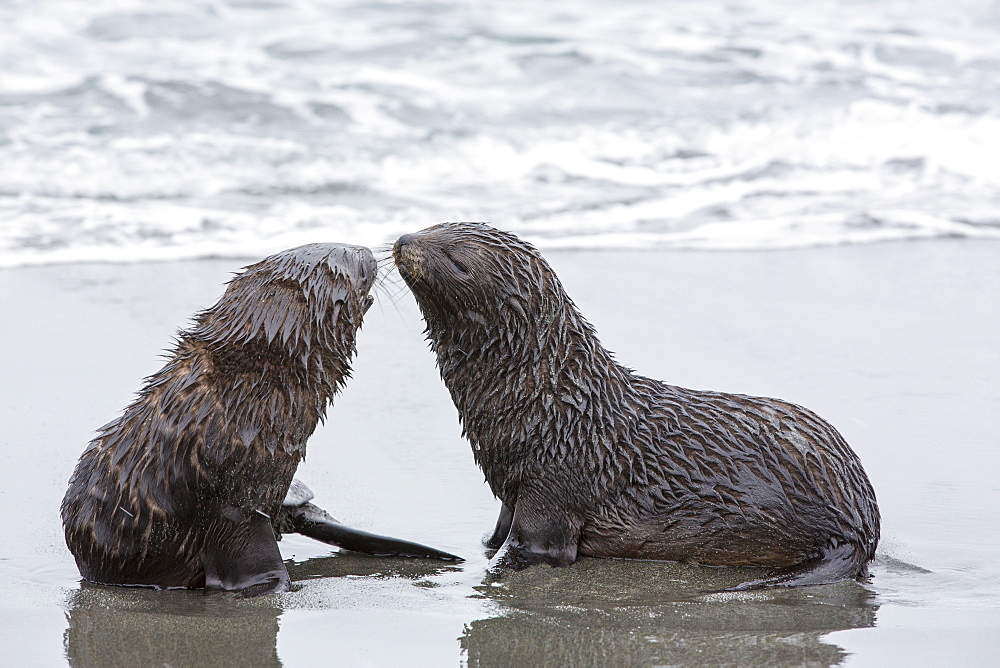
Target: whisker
x,y
392,298
397,296
389,286
389,275
394,292
386,278
385,271
383,253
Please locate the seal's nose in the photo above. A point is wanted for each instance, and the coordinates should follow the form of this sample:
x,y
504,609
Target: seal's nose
x,y
402,241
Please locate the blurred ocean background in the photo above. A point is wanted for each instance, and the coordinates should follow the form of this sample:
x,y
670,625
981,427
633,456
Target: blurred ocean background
x,y
136,130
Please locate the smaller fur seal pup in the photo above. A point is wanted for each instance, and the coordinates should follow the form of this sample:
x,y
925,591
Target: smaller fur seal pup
x,y
590,458
189,486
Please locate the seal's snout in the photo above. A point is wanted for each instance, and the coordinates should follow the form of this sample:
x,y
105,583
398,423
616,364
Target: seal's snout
x,y
402,242
407,255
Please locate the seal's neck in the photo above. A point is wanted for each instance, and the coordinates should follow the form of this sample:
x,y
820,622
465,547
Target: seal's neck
x,y
265,388
533,387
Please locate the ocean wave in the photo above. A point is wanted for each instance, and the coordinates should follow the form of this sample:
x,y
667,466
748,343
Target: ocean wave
x,y
237,128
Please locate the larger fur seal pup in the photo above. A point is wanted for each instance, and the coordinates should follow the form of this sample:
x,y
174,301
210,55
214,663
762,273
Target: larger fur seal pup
x,y
589,458
188,487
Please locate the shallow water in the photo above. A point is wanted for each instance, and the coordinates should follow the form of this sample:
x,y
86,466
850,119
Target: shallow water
x,y
242,127
894,344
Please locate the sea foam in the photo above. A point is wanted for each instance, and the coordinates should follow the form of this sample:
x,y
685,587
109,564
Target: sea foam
x,y
239,128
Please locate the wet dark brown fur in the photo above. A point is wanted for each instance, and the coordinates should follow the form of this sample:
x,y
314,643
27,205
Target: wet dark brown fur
x,y
590,458
180,490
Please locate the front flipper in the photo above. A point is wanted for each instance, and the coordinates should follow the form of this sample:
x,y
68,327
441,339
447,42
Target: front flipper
x,y
537,537
502,530
241,554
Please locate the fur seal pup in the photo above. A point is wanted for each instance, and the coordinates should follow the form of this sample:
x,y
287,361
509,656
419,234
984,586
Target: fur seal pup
x,y
590,458
188,487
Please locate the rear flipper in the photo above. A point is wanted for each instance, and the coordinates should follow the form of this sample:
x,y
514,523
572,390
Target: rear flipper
x,y
299,516
841,562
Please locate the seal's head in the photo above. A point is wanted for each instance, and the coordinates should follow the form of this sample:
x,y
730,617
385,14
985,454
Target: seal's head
x,y
475,274
303,294
302,306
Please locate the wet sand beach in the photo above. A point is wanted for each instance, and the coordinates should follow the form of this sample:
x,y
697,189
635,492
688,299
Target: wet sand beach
x,y
898,345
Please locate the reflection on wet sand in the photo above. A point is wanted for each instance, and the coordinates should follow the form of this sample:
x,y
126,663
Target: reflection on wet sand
x,y
613,612
132,626
355,564
119,626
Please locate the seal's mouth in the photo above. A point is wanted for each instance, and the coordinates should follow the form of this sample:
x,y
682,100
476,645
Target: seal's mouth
x,y
369,300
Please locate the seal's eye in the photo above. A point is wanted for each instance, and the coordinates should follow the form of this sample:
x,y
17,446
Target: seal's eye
x,y
459,266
